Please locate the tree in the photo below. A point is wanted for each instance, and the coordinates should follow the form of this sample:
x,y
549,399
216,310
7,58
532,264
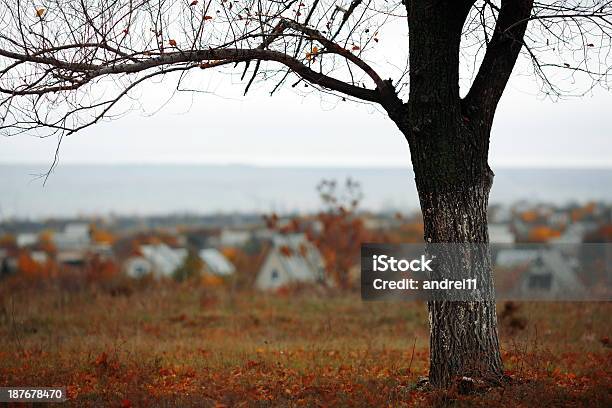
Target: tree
x,y
342,230
191,267
66,65
339,230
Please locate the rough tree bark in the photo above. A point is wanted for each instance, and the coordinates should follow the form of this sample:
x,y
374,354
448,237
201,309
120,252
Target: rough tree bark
x,y
449,143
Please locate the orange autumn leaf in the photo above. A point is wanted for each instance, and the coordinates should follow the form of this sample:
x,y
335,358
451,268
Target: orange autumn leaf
x,y
529,216
312,54
207,17
172,43
28,266
356,47
8,241
40,12
230,253
286,251
543,234
45,240
102,237
101,360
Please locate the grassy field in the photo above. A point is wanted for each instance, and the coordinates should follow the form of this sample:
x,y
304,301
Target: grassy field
x,y
175,345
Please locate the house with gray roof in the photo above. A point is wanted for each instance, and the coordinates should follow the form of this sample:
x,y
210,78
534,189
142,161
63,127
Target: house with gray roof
x,y
549,275
164,260
216,263
291,259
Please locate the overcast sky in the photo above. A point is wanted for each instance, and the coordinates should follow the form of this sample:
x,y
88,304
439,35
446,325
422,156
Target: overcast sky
x,y
289,129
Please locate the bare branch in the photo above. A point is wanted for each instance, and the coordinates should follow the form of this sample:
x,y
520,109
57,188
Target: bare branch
x,y
500,58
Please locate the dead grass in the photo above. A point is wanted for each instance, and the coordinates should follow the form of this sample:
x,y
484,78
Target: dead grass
x,y
174,345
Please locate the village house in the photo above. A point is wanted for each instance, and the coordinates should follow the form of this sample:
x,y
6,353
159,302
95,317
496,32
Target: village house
x,y
291,259
575,233
215,263
164,259
74,237
544,274
71,258
137,266
39,257
550,276
26,239
559,219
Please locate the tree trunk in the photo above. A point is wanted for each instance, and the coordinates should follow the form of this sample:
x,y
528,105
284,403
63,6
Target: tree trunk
x,y
463,334
449,149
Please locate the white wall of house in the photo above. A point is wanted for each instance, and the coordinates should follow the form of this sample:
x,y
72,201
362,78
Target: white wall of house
x,y
272,274
302,263
74,237
26,238
39,257
137,267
